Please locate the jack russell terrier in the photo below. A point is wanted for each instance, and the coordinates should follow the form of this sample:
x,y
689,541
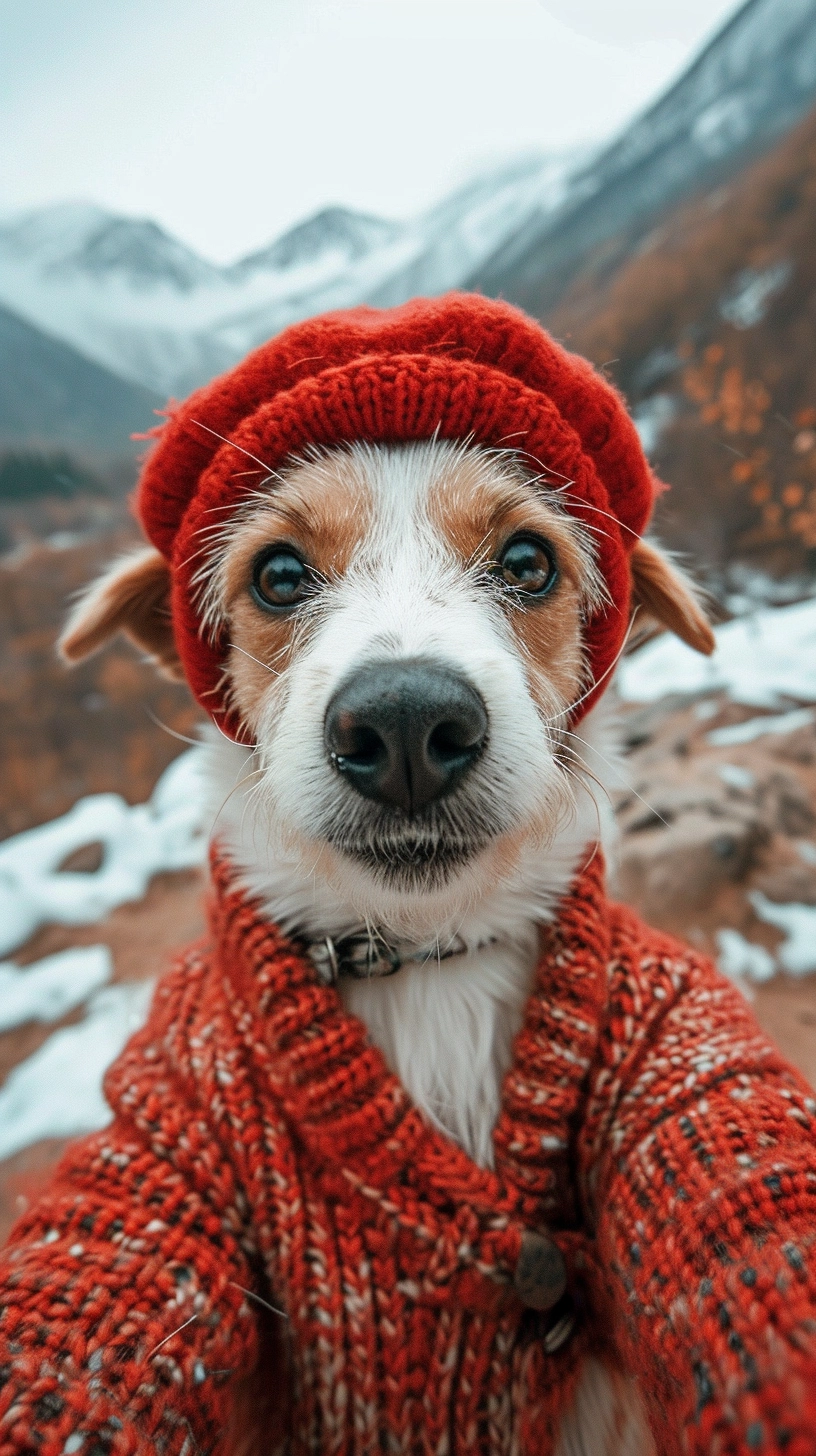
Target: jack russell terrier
x,y
430,1147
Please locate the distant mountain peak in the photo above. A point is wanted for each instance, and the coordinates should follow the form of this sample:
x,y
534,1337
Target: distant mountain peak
x,y
332,230
71,238
143,305
141,251
48,233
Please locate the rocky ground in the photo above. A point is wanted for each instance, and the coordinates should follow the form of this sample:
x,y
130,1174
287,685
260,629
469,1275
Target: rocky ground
x,y
704,825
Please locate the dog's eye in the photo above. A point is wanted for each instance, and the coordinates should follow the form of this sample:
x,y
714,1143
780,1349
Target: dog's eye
x,y
279,578
527,564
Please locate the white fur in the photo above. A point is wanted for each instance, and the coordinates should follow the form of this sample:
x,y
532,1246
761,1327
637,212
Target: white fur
x,y
405,594
607,1418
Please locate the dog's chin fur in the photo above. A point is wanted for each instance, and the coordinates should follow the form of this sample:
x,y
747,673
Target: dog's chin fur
x,y
445,1026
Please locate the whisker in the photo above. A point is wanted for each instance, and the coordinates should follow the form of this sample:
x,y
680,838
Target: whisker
x,y
268,468
585,505
576,759
622,780
578,780
476,560
252,746
265,665
245,780
182,737
595,849
565,712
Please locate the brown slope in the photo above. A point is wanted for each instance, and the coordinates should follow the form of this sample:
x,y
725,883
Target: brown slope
x,y
66,733
740,452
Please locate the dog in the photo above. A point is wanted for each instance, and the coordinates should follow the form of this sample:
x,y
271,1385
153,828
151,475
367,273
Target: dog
x,y
405,647
405,628
407,783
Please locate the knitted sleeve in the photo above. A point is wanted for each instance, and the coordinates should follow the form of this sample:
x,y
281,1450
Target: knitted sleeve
x,y
123,1317
701,1146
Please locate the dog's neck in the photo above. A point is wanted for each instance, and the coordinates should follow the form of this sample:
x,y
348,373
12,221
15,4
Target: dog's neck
x,y
445,1026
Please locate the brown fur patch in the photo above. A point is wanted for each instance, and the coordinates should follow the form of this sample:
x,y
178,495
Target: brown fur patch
x,y
133,597
322,511
478,504
666,595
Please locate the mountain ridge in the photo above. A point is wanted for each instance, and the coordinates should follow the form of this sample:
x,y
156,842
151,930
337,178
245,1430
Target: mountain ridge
x,y
151,312
752,81
50,394
144,306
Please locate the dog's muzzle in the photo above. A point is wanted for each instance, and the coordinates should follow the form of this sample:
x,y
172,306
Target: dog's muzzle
x,y
405,733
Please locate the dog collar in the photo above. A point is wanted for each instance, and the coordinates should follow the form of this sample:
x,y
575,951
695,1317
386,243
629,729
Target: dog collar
x,y
364,954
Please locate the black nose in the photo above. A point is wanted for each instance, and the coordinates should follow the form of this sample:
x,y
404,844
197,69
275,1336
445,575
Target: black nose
x,y
405,733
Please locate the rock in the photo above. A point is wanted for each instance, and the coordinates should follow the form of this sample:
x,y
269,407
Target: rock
x,y
673,869
702,827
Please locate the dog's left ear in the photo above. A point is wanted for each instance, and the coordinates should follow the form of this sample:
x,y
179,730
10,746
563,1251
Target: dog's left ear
x,y
133,596
667,595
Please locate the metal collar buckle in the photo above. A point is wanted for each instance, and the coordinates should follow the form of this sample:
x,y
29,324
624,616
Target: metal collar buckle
x,y
365,954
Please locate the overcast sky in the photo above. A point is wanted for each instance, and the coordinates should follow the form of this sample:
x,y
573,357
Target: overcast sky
x,y
228,120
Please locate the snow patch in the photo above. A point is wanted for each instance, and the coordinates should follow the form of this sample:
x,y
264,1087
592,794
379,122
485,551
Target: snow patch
x,y
796,954
741,960
758,727
57,1092
736,777
53,986
747,301
652,418
760,660
139,841
722,126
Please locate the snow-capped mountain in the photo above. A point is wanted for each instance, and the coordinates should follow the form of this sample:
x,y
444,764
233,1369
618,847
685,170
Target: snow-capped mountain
x,y
333,231
749,86
149,309
74,240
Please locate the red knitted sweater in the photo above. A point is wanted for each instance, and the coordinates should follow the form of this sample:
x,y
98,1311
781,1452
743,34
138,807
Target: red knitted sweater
x,y
261,1151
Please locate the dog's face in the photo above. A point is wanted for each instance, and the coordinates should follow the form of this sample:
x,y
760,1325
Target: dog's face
x,y
406,635
406,644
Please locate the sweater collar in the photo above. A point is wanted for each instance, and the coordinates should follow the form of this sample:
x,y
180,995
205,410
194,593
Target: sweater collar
x,y
354,1113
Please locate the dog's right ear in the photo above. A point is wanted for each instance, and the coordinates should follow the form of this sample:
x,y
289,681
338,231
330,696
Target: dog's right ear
x,y
669,597
133,596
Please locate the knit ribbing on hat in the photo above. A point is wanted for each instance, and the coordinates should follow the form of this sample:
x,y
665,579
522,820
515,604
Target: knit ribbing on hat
x,y
461,367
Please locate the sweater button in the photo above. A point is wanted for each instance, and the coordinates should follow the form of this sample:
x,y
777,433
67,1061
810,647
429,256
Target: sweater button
x,y
541,1274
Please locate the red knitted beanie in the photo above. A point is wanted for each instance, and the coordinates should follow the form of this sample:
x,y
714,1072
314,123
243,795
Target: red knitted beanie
x,y
459,367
